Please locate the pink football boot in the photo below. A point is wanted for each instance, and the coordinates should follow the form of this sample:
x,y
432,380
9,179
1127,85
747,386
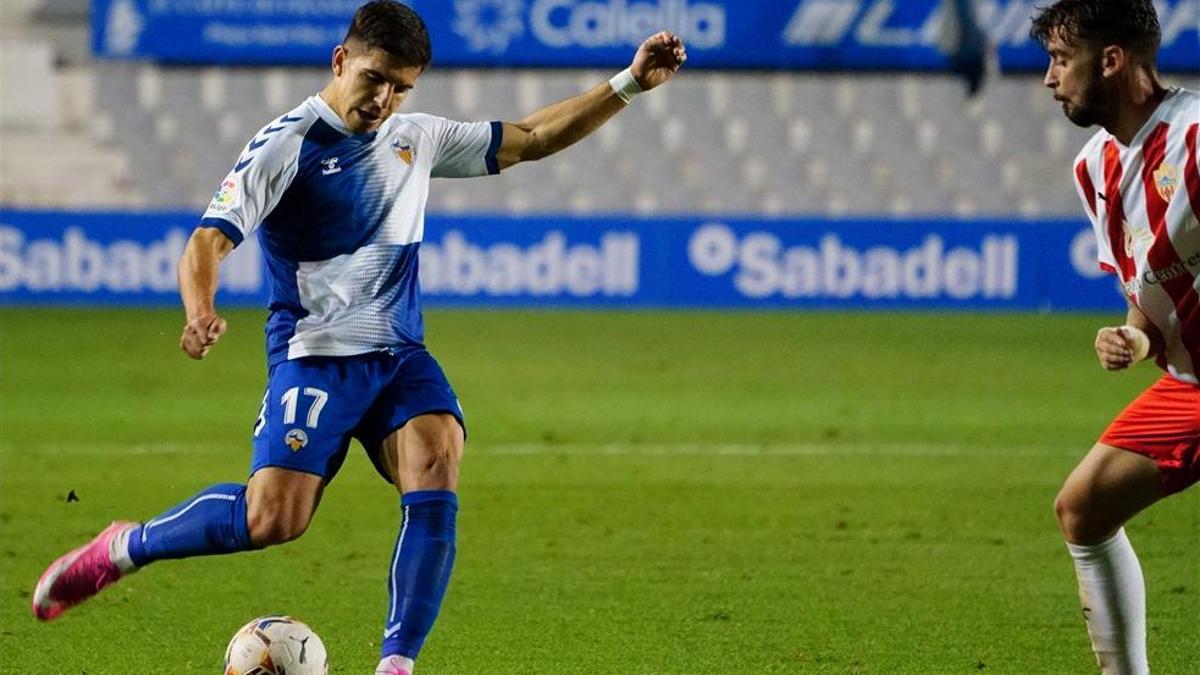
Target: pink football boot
x,y
394,665
78,575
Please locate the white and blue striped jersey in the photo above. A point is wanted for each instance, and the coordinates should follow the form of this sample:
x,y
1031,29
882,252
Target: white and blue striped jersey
x,y
340,218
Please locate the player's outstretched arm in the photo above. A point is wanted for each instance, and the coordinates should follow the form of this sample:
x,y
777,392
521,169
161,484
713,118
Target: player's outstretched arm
x,y
562,124
198,288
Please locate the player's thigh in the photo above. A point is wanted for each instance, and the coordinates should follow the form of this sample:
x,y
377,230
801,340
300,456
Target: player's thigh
x,y
309,411
415,431
1163,424
1107,488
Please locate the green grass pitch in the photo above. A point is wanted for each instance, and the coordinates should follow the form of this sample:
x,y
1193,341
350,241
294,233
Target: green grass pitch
x,y
643,492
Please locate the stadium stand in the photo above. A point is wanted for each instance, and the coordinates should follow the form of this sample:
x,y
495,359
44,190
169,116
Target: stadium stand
x,y
141,135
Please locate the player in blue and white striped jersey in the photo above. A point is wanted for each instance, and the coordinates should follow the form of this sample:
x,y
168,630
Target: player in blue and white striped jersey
x,y
335,190
340,216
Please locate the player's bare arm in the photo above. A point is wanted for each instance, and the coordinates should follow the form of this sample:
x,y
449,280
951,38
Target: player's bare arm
x,y
198,288
1119,347
565,123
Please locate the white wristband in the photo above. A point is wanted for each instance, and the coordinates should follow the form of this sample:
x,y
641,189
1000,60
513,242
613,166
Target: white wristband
x,y
625,86
1138,341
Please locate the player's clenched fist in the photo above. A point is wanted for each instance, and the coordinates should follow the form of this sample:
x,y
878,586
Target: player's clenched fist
x,y
1119,347
657,59
201,333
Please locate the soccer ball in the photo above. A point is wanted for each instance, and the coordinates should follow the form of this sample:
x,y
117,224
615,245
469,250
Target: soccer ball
x,y
275,645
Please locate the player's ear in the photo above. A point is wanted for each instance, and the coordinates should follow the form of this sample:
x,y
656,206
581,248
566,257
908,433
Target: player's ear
x,y
339,60
1112,60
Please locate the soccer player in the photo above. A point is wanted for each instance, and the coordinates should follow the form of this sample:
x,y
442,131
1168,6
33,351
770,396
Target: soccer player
x,y
335,190
1139,179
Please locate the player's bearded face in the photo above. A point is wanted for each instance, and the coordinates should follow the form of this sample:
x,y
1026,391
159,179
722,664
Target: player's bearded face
x,y
1085,108
368,86
1075,76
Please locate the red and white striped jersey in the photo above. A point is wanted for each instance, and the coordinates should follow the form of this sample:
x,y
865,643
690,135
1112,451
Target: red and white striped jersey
x,y
1144,200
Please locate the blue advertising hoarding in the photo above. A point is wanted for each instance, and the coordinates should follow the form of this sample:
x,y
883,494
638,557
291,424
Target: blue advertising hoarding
x,y
791,34
62,258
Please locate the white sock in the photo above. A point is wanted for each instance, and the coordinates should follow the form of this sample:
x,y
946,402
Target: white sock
x,y
1113,595
118,551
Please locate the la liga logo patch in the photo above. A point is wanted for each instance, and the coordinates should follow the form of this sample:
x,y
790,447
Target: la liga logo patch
x,y
225,196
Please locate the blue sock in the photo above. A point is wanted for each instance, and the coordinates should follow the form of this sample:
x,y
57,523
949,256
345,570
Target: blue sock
x,y
212,521
420,569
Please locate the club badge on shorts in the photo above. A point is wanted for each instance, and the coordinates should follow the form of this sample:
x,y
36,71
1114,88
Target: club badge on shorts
x,y
296,439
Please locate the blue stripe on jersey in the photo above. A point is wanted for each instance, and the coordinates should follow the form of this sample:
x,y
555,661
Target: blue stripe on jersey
x,y
493,165
408,324
284,302
256,143
227,228
324,134
337,201
392,317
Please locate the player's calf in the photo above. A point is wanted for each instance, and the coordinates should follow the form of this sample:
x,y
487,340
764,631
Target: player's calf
x,y
420,570
1112,596
1108,488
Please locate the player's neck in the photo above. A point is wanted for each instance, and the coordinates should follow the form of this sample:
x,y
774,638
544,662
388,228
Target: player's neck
x,y
1137,103
330,96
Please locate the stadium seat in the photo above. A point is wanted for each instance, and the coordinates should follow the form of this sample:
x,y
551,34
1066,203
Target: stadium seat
x,y
773,143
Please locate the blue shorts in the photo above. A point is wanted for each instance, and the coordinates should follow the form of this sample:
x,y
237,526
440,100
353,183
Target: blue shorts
x,y
313,406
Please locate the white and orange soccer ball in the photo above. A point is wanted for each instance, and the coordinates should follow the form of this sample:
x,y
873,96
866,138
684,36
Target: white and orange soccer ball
x,y
275,645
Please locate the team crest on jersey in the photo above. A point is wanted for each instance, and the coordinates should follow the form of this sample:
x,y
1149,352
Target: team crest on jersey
x,y
404,150
296,439
225,196
1166,180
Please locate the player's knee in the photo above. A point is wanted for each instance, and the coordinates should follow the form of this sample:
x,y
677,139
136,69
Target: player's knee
x,y
272,524
441,441
440,466
446,453
1064,510
1072,513
279,505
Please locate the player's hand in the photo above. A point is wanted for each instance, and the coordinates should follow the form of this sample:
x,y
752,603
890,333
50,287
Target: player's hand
x,y
200,334
1114,349
657,59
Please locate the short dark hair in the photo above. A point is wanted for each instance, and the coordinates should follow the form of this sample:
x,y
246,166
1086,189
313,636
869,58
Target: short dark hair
x,y
1132,24
394,28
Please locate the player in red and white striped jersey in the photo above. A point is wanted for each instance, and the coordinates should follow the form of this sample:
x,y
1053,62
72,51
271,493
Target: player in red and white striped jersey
x,y
1143,196
1139,178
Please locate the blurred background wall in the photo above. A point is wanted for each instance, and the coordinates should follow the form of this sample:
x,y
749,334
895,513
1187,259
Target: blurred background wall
x,y
136,106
